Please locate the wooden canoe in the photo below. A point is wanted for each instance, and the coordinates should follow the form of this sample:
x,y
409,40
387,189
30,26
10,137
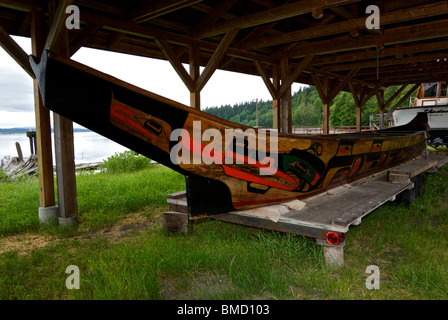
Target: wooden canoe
x,y
295,167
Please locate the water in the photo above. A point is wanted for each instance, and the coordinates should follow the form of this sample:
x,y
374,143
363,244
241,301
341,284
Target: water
x,y
90,147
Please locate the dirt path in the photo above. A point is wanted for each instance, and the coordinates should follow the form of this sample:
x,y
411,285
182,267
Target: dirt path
x,y
27,242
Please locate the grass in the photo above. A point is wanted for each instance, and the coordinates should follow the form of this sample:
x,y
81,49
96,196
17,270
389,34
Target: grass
x,y
123,253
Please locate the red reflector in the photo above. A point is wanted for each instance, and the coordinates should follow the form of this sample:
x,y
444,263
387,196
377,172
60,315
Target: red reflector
x,y
333,238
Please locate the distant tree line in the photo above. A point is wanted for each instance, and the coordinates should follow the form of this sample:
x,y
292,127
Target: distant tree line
x,y
307,109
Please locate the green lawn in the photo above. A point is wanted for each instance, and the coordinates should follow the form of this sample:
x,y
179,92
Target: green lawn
x,y
123,253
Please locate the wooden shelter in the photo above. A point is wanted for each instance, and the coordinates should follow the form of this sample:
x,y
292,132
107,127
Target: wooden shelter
x,y
327,43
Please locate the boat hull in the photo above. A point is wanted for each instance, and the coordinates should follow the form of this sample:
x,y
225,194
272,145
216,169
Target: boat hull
x,y
437,120
227,166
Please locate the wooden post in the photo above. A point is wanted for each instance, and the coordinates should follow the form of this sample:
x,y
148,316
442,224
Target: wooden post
x,y
195,95
380,99
47,210
325,108
358,118
286,122
276,122
322,88
57,41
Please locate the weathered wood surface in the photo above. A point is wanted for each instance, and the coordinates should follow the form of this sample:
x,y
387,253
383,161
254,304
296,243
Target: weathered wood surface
x,y
442,159
409,170
337,212
14,168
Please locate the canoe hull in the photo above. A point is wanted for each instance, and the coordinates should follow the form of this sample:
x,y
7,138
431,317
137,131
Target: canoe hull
x,y
227,166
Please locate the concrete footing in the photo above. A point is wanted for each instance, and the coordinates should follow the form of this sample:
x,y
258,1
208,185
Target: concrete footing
x,y
176,222
65,222
49,215
334,255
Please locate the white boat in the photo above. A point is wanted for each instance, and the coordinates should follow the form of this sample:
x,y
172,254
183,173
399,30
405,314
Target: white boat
x,y
432,99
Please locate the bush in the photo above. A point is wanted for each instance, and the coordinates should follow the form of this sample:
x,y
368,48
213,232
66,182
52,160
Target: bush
x,y
127,161
3,176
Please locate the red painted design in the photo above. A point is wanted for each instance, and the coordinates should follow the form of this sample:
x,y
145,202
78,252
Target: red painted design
x,y
125,115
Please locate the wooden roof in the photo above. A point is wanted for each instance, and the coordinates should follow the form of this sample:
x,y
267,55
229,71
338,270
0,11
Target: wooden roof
x,y
318,38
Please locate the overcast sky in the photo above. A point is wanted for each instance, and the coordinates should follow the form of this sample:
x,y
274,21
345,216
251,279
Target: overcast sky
x,y
16,86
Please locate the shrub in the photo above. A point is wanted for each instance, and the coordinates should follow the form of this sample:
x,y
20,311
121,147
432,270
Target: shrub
x,y
127,161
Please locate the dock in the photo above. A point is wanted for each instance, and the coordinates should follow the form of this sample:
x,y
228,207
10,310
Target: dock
x,y
328,217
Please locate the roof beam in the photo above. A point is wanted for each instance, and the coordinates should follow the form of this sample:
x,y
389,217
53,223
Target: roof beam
x,y
345,26
424,31
397,51
153,9
270,15
213,16
146,32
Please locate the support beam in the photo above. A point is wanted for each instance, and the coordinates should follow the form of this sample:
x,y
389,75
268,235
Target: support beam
x,y
43,126
65,170
57,41
358,118
322,88
83,37
57,25
270,15
359,95
195,94
216,58
343,83
276,122
380,99
271,87
175,62
403,99
349,25
291,77
15,51
286,118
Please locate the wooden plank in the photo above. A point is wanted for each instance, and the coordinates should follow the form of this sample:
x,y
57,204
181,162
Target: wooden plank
x,y
339,211
409,170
